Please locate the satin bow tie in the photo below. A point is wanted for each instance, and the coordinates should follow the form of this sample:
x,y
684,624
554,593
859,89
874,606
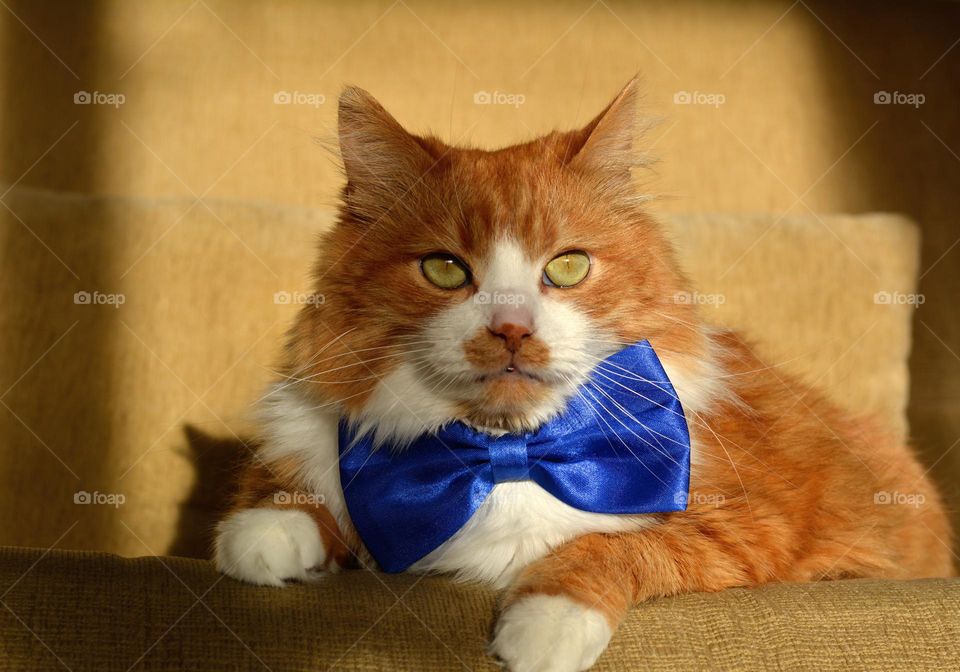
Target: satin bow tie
x,y
620,447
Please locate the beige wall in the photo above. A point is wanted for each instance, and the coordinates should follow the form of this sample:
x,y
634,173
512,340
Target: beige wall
x,y
798,132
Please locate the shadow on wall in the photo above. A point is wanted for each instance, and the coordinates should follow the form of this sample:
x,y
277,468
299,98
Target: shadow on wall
x,y
216,462
51,411
910,163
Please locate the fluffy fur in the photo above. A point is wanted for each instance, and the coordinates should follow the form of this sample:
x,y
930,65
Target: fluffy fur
x,y
785,487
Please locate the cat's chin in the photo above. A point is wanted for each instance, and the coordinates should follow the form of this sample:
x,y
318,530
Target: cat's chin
x,y
515,390
509,380
513,402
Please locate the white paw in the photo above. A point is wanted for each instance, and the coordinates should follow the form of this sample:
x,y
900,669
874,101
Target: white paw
x,y
267,546
550,633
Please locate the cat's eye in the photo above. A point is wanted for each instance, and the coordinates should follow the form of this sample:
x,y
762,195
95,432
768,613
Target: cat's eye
x,y
567,270
445,270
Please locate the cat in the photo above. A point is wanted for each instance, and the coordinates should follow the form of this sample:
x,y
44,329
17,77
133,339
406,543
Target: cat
x,y
408,338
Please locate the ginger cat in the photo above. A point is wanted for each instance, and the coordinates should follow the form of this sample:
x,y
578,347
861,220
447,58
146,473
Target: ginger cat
x,y
402,346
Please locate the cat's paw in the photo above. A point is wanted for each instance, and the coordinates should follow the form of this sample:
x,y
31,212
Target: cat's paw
x,y
268,546
550,633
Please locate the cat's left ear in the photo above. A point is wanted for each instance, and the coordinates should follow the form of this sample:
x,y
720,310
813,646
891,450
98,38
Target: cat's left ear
x,y
605,146
382,162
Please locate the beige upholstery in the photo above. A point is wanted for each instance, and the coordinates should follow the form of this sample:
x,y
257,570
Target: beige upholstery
x,y
135,398
99,612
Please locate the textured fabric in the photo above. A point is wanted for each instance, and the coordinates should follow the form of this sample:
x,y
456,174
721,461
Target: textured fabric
x,y
628,452
148,399
804,307
101,613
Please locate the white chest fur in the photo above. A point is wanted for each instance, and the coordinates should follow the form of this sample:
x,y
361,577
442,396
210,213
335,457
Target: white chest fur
x,y
516,525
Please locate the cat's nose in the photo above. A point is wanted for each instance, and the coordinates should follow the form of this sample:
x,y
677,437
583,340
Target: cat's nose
x,y
513,325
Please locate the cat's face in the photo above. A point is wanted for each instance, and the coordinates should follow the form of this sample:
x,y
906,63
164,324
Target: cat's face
x,y
482,286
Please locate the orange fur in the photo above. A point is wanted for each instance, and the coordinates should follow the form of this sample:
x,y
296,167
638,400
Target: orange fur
x,y
787,492
786,483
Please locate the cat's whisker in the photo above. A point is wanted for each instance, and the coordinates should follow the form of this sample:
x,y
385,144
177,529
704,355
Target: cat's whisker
x,y
626,412
657,448
660,348
293,377
329,344
746,497
313,378
620,439
616,376
598,371
706,426
620,372
303,366
362,362
344,381
701,423
339,401
591,406
634,376
696,328
379,347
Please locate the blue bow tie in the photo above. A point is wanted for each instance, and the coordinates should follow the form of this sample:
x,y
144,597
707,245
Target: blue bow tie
x,y
621,446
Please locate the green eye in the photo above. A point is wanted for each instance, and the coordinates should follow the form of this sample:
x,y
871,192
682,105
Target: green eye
x,y
567,270
445,270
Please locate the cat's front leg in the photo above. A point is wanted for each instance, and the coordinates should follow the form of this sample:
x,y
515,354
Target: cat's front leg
x,y
544,632
561,612
277,532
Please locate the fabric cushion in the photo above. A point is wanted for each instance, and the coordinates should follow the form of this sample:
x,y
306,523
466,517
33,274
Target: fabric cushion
x,y
142,405
94,611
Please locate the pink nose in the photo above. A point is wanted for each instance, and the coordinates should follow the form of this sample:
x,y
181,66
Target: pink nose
x,y
512,335
512,325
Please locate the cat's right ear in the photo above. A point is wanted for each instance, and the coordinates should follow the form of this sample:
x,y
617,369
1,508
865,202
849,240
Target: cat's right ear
x,y
382,161
605,146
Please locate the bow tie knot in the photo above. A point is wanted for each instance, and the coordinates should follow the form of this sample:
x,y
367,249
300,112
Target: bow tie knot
x,y
508,458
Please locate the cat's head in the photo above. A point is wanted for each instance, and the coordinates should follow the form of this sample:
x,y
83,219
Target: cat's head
x,y
483,285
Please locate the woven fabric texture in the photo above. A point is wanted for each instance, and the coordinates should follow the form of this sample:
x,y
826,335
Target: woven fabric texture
x,y
99,612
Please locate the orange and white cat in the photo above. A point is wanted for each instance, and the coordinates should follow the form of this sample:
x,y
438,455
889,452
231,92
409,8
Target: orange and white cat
x,y
783,483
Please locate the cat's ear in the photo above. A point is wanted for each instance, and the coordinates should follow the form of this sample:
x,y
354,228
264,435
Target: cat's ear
x,y
382,160
605,146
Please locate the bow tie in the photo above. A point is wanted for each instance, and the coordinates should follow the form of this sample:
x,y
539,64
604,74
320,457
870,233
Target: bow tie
x,y
621,447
